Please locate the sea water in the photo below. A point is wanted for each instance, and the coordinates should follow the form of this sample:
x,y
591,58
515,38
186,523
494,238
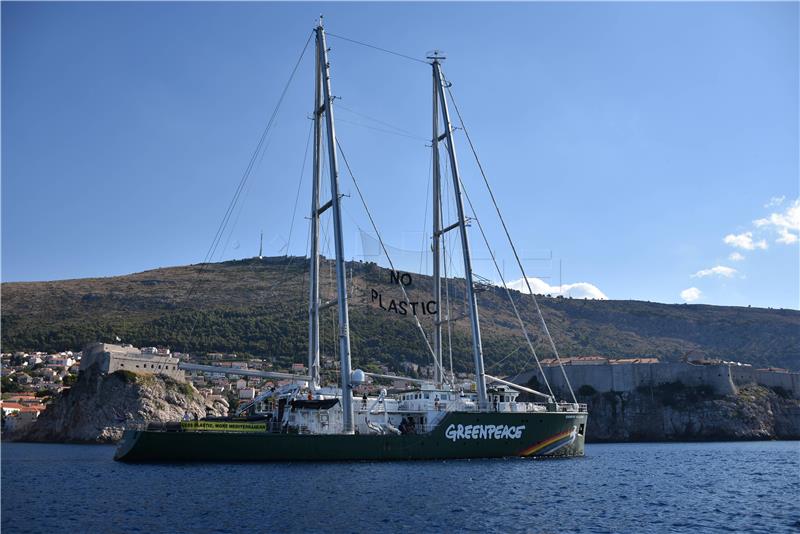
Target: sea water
x,y
676,487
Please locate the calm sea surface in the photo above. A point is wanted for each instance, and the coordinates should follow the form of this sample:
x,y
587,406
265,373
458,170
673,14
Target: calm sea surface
x,y
698,487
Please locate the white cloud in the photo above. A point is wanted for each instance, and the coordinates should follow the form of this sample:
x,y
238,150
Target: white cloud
x,y
691,294
578,290
786,224
719,270
735,256
786,237
775,201
744,241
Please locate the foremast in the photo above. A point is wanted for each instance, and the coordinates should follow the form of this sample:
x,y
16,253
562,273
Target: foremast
x,y
440,106
323,110
313,297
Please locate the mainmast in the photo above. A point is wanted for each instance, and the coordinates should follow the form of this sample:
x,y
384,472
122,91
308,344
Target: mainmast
x,y
472,304
324,106
437,237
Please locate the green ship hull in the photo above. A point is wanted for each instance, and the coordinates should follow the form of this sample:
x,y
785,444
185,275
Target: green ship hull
x,y
458,435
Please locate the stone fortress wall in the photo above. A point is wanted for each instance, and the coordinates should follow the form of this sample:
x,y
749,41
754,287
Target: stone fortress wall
x,y
605,375
110,358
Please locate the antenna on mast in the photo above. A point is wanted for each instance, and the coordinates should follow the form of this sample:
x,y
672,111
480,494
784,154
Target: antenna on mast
x,y
435,55
261,246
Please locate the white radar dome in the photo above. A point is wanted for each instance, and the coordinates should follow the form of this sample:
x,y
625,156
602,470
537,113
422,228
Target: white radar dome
x,y
357,377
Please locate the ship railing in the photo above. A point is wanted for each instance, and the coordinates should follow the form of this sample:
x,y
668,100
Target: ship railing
x,y
517,407
155,426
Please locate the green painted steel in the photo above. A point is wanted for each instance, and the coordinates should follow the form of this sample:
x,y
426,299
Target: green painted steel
x,y
459,435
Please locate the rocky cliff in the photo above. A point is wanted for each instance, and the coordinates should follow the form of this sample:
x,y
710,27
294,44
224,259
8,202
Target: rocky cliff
x,y
674,412
98,407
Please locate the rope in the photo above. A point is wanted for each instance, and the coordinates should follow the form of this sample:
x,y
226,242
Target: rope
x,y
504,358
425,218
514,249
243,181
449,314
445,249
508,292
299,185
377,48
384,123
399,134
386,252
271,290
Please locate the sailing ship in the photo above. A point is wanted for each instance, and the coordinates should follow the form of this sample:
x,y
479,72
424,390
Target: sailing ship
x,y
433,420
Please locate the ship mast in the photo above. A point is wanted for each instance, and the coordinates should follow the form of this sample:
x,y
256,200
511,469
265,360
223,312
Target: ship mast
x,y
440,104
437,237
323,106
313,297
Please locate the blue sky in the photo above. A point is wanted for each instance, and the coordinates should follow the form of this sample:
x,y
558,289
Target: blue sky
x,y
626,142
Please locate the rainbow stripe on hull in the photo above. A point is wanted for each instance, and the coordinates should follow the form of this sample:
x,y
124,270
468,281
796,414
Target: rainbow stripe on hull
x,y
551,444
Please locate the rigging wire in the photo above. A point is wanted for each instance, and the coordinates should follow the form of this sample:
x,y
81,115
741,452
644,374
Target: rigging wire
x,y
243,181
379,121
449,321
514,249
376,48
505,286
386,252
448,309
299,186
399,134
290,259
507,356
239,209
447,259
425,217
253,158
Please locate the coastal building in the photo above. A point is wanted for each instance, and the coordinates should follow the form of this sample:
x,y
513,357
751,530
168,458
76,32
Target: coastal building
x,y
110,358
10,407
247,394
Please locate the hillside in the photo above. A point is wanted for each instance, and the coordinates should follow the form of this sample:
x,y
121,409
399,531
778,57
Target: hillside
x,y
258,308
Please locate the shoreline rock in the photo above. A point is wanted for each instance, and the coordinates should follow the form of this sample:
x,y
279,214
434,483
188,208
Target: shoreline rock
x,y
98,407
674,413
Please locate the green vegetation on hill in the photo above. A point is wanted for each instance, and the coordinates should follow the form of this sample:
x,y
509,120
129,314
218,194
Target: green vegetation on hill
x,y
257,308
